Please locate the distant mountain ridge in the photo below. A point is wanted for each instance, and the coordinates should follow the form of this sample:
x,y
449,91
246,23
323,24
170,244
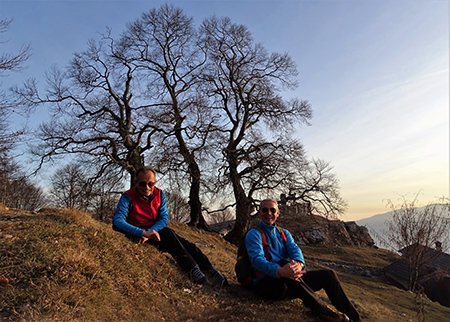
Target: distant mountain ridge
x,y
376,226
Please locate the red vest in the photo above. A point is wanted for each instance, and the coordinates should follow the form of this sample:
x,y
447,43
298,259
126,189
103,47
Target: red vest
x,y
143,214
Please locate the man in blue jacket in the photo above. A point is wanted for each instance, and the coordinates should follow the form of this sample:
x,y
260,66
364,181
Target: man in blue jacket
x,y
142,216
284,276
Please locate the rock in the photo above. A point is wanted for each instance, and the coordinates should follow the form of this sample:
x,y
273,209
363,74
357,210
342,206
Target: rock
x,y
351,226
317,235
312,229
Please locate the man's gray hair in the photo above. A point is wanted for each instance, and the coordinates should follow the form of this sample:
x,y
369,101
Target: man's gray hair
x,y
145,169
269,199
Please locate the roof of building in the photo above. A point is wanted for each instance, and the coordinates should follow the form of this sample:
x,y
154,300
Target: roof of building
x,y
434,260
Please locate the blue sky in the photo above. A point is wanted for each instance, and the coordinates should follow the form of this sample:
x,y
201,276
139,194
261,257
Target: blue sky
x,y
376,73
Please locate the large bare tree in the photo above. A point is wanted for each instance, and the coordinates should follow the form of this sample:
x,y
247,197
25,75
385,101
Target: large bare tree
x,y
245,82
188,103
98,109
121,98
9,62
163,45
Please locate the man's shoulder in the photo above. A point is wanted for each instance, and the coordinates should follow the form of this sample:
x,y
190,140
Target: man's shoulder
x,y
281,229
129,192
158,194
254,232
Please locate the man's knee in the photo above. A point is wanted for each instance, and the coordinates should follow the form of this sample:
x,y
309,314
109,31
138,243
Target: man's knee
x,y
331,277
271,289
331,274
167,233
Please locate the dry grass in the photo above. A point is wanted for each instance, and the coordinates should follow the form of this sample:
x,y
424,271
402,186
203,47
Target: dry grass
x,y
61,265
362,256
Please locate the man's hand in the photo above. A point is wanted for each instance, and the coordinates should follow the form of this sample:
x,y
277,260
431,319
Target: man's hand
x,y
151,234
292,270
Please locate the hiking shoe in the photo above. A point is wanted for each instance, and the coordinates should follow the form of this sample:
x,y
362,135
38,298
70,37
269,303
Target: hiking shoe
x,y
197,276
218,278
331,315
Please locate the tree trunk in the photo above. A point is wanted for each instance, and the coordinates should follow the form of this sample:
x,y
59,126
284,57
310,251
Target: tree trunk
x,y
135,162
197,219
243,210
244,205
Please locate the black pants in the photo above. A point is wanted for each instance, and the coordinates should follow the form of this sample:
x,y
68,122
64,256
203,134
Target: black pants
x,y
185,253
312,281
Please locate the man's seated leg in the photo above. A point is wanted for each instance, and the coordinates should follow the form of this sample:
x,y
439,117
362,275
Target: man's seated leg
x,y
170,243
280,288
299,289
203,262
271,288
189,257
328,280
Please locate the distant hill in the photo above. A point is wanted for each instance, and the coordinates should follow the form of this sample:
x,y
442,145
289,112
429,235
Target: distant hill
x,y
376,226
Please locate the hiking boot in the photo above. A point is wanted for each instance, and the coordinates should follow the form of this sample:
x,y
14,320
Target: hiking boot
x,y
197,276
217,278
331,315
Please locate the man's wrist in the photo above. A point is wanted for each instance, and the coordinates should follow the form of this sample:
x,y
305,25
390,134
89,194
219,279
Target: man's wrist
x,y
300,262
279,270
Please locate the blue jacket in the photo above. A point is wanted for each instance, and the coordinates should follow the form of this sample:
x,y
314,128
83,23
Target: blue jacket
x,y
123,209
278,249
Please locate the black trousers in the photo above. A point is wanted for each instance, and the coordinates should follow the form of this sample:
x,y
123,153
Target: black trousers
x,y
312,281
185,253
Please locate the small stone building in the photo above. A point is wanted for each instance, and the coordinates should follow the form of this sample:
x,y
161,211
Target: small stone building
x,y
434,275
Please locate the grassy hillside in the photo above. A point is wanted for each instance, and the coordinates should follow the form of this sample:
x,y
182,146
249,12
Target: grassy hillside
x,y
61,265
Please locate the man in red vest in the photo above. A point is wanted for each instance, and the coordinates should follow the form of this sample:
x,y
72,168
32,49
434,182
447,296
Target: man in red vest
x,y
142,214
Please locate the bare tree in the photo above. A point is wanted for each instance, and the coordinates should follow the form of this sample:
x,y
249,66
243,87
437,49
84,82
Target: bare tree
x,y
177,206
415,230
163,44
99,109
187,103
70,187
122,98
9,62
7,168
16,189
220,216
77,186
314,183
105,192
23,194
244,82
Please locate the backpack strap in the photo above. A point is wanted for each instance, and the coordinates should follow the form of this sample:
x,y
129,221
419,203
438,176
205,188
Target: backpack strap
x,y
281,232
265,244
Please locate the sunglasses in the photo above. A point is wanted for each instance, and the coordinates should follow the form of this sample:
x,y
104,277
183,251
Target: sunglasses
x,y
144,184
272,210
